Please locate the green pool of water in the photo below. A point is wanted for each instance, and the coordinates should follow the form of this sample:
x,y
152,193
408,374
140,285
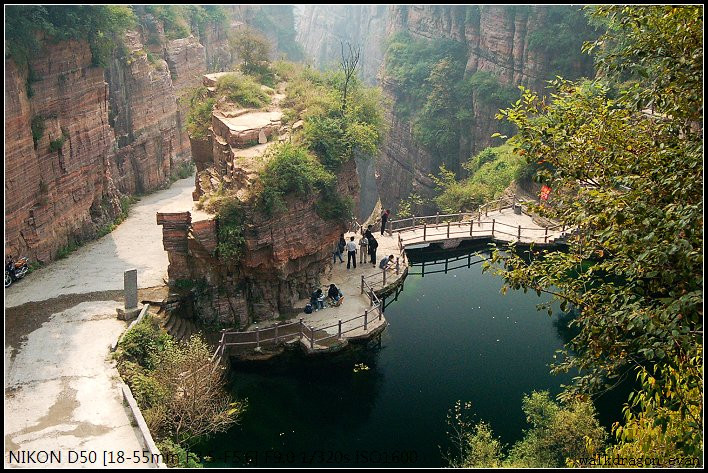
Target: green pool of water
x,y
452,336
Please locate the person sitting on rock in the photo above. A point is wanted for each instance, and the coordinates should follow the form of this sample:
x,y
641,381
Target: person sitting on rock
x,y
386,263
335,294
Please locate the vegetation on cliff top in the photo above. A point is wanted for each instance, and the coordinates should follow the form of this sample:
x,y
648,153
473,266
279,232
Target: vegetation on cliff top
x,y
26,27
631,183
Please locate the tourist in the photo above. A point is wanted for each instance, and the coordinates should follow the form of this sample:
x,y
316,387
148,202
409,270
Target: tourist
x,y
373,244
338,249
386,263
317,299
351,252
384,220
368,233
363,250
335,294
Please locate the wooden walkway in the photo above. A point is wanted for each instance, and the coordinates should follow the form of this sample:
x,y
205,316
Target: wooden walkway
x,y
502,221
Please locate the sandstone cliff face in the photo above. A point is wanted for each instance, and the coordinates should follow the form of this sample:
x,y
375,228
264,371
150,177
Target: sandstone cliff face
x,y
61,189
497,41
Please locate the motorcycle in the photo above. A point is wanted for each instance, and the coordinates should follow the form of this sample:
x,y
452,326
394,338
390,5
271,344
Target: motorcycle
x,y
18,271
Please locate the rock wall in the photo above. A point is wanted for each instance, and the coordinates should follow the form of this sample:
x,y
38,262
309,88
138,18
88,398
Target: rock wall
x,y
283,259
497,39
60,189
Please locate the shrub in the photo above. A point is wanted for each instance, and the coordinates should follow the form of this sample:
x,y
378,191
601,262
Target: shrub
x,y
332,206
38,127
290,169
230,229
242,91
140,342
176,456
56,145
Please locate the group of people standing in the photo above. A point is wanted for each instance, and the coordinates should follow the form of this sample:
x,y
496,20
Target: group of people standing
x,y
367,245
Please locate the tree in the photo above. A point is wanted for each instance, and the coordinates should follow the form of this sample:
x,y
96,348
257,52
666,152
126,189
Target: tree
x,y
631,185
348,66
252,50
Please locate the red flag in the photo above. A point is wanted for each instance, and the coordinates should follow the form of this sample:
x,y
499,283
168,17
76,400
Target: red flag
x,y
545,190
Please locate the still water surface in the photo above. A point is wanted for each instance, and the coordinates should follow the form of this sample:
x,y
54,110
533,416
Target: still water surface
x,y
452,336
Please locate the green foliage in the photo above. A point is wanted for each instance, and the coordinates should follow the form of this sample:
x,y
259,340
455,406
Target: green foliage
x,y
201,107
100,25
631,183
242,91
56,145
490,90
558,434
141,341
290,169
230,229
183,170
173,18
38,128
253,50
176,456
199,16
490,173
410,206
561,37
332,206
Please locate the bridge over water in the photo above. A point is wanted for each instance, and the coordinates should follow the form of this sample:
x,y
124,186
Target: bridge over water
x,y
361,315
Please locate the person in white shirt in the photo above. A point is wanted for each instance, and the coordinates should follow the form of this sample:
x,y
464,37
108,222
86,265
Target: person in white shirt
x,y
351,252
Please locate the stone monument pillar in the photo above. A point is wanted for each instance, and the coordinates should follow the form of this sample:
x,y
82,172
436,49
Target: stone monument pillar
x,y
130,289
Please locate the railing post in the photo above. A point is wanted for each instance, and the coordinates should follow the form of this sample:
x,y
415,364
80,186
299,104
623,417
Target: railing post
x,y
519,232
448,229
258,337
425,227
312,340
276,334
485,210
301,324
383,271
397,266
493,221
362,284
545,237
339,334
414,222
437,219
471,225
563,229
379,313
366,319
389,230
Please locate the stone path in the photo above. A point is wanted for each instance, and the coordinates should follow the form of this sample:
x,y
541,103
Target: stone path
x,y
99,265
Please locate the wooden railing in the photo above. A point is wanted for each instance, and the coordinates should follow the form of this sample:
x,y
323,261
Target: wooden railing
x,y
307,335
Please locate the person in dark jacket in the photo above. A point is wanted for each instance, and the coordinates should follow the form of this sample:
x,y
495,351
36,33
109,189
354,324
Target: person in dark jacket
x,y
317,299
335,294
384,220
373,244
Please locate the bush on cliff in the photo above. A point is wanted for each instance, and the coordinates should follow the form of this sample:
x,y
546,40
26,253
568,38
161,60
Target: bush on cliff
x,y
290,170
242,91
100,25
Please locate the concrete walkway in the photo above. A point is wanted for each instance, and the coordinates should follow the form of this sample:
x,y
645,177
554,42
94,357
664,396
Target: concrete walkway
x,y
61,392
349,282
99,265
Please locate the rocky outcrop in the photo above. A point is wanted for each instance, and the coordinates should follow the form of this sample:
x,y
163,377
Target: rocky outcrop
x,y
60,188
